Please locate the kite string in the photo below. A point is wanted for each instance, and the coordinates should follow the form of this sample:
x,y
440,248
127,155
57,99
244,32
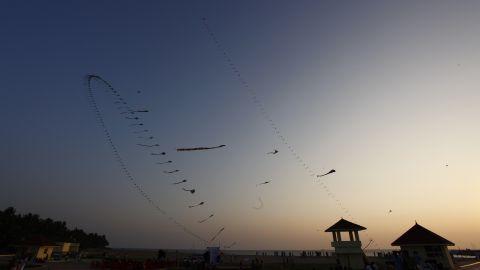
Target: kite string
x,y
119,159
261,107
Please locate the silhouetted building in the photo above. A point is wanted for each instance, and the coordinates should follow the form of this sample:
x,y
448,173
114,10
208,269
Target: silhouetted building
x,y
425,247
348,251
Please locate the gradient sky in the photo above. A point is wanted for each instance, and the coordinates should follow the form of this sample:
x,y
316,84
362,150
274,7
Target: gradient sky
x,y
386,93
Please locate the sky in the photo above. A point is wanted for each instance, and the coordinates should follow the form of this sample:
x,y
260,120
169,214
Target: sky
x,y
386,93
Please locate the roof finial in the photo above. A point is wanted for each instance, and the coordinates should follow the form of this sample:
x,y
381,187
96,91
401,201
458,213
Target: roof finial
x,y
416,222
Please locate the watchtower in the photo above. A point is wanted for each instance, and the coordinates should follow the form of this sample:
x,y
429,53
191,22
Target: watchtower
x,y
348,252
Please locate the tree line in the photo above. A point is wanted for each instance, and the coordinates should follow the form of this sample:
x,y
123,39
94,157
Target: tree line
x,y
30,229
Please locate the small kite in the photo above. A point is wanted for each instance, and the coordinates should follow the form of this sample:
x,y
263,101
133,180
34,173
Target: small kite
x,y
263,183
330,172
174,171
390,211
274,152
148,145
195,205
143,137
205,219
183,181
158,154
165,162
189,190
217,234
140,131
199,148
261,204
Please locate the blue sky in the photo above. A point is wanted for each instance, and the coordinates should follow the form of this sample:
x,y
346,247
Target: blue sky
x,y
385,93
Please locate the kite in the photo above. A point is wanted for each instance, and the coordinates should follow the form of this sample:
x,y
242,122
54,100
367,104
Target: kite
x,y
169,161
263,183
195,205
390,211
261,204
331,171
183,181
140,131
131,179
199,148
189,190
274,152
158,154
205,219
148,145
143,137
217,234
174,171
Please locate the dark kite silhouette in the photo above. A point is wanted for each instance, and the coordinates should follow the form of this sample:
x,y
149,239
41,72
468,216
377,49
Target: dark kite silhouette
x,y
195,205
169,161
263,183
148,145
174,171
205,219
179,182
189,190
330,172
217,234
199,148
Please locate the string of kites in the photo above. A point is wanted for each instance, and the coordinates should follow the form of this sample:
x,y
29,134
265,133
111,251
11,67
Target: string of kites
x,y
147,141
266,116
137,122
126,109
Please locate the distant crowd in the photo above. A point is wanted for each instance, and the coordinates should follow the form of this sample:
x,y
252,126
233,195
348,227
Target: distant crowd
x,y
127,264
